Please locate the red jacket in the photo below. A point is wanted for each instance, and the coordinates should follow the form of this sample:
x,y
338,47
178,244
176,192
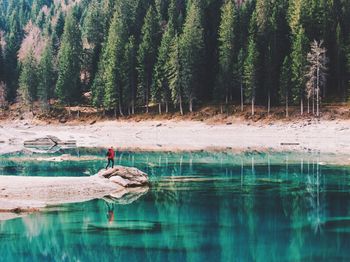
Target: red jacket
x,y
110,153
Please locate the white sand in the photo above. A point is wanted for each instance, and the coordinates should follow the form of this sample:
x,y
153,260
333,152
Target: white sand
x,y
323,136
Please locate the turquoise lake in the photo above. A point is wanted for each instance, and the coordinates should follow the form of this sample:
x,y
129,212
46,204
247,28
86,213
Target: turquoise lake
x,y
203,206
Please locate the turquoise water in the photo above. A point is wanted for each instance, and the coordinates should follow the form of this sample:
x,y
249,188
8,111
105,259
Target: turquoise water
x,y
219,207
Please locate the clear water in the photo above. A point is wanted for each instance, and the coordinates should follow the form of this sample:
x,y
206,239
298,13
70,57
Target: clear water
x,y
248,207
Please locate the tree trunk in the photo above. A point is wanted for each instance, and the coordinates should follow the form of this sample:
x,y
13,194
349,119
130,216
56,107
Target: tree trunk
x,y
301,106
318,102
287,113
191,105
180,105
160,108
253,105
318,92
121,110
268,103
242,97
133,107
166,107
115,112
308,105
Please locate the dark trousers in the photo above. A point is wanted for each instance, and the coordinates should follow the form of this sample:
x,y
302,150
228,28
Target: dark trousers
x,y
110,160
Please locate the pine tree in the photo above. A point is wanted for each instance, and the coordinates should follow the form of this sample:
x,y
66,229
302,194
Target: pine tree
x,y
251,65
191,49
68,86
298,60
160,87
239,74
285,83
250,72
227,42
130,75
174,74
93,32
147,55
14,38
112,74
28,79
46,77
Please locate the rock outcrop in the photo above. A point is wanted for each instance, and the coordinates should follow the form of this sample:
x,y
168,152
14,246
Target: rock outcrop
x,y
20,194
125,176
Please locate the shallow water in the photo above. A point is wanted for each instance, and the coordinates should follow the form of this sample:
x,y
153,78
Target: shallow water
x,y
201,207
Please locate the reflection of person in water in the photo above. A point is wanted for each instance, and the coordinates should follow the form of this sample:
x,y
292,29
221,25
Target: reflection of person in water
x,y
110,212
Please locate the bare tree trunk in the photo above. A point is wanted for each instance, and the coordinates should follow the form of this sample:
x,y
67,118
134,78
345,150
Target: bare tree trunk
x,y
180,105
166,107
242,97
308,105
301,106
313,101
115,112
160,108
318,102
253,104
133,107
318,92
287,113
120,107
221,109
268,103
191,105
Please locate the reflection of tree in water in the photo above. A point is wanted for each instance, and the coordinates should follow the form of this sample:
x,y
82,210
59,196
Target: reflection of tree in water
x,y
315,198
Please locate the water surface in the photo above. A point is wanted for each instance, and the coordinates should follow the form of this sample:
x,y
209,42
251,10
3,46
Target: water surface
x,y
201,207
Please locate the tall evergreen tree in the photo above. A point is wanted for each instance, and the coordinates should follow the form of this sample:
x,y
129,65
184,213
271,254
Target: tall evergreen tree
x,y
130,75
111,65
251,72
298,63
251,65
174,74
28,79
68,86
160,87
285,84
227,48
191,49
46,77
147,55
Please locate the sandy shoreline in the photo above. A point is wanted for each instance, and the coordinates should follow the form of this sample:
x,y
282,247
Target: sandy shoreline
x,y
323,136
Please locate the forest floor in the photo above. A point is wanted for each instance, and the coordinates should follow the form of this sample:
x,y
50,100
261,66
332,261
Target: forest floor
x,y
206,129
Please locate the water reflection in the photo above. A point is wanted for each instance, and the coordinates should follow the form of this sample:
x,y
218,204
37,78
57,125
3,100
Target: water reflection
x,y
201,207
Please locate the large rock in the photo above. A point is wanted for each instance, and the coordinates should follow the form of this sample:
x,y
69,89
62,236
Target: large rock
x,y
125,176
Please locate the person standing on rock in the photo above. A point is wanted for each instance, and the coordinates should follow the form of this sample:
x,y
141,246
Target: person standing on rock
x,y
110,157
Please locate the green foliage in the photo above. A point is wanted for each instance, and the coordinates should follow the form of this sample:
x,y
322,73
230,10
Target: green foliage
x,y
191,49
131,52
285,81
227,51
46,76
28,78
160,87
298,63
147,54
68,86
111,62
